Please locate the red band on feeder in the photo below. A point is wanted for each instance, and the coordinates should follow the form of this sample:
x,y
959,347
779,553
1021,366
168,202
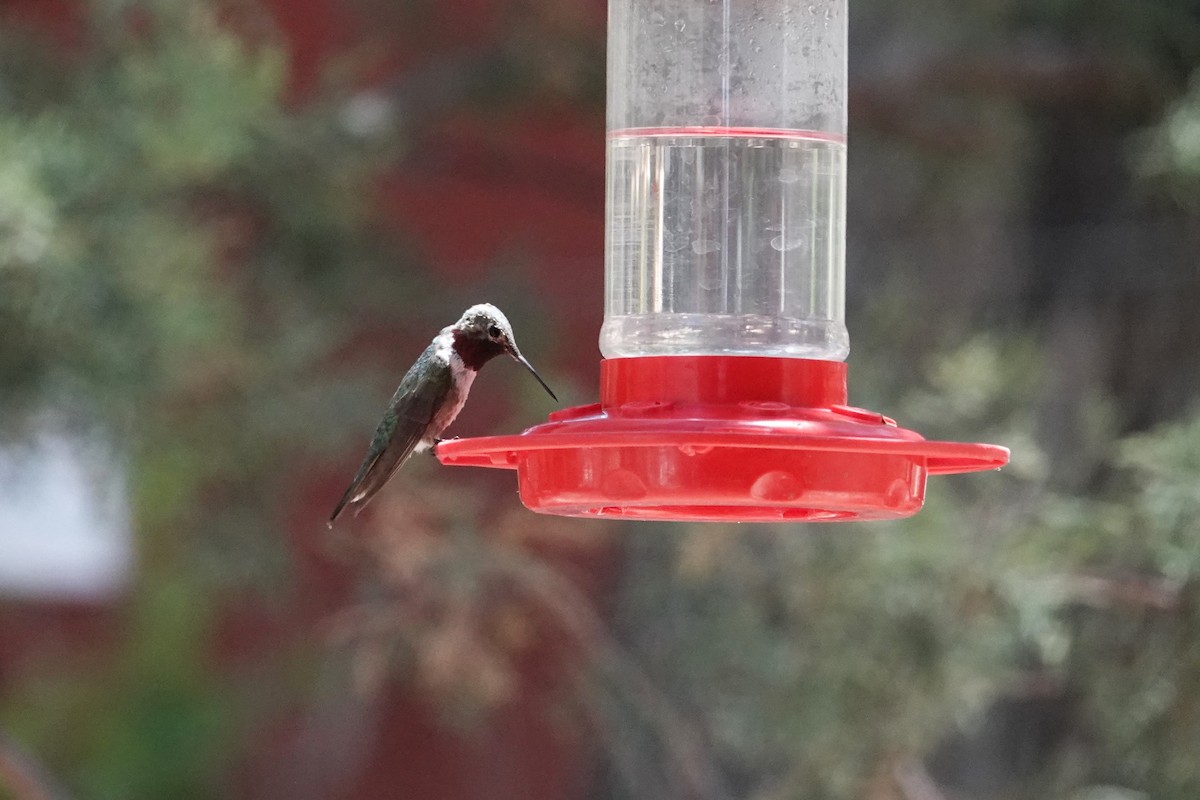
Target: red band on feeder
x,y
721,380
722,438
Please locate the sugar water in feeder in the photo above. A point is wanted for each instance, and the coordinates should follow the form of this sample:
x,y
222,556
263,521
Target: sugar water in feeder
x,y
726,179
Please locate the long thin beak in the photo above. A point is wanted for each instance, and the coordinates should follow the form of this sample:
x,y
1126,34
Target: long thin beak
x,y
520,359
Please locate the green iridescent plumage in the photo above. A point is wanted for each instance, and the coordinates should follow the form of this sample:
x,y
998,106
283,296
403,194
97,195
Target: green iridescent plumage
x,y
422,392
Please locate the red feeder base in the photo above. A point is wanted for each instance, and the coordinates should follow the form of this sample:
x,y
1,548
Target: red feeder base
x,y
742,439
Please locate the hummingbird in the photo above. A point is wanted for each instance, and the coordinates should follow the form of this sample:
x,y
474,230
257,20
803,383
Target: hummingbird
x,y
430,396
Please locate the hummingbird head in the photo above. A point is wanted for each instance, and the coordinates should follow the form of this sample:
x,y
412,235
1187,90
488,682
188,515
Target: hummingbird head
x,y
482,333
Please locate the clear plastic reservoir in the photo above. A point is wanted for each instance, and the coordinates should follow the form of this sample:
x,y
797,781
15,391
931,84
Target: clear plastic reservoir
x,y
726,178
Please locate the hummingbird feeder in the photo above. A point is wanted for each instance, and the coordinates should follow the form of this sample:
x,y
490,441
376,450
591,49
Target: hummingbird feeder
x,y
723,385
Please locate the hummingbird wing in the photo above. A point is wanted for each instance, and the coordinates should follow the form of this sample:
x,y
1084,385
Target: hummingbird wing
x,y
421,393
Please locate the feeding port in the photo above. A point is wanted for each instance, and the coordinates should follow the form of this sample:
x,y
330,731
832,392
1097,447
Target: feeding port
x,y
723,387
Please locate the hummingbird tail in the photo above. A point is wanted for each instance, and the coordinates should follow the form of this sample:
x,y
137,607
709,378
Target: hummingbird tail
x,y
347,498
355,497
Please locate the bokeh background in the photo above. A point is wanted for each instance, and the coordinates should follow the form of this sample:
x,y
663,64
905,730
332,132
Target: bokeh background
x,y
226,228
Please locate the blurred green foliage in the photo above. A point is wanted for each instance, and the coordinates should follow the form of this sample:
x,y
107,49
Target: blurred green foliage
x,y
180,255
1173,151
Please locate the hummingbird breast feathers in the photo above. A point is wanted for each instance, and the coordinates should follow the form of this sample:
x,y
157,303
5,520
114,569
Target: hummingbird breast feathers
x,y
461,378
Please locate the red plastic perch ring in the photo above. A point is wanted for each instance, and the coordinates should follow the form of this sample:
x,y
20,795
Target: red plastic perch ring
x,y
729,438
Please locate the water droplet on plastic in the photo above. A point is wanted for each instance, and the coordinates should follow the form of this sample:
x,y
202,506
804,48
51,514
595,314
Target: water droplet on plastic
x,y
769,407
703,246
777,486
680,25
789,175
657,19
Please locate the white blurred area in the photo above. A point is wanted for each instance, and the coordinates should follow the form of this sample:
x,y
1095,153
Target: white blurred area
x,y
64,522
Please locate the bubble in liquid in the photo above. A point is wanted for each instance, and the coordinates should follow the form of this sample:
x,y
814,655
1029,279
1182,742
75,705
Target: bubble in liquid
x,y
786,242
789,175
704,246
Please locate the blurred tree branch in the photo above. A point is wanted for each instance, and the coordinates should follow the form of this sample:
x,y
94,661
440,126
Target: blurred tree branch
x,y
449,593
692,766
1104,592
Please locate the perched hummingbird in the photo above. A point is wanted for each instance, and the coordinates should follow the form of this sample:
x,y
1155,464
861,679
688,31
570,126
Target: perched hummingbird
x,y
430,396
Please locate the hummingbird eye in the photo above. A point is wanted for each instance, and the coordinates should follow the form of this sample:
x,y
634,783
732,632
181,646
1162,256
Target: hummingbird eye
x,y
494,331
